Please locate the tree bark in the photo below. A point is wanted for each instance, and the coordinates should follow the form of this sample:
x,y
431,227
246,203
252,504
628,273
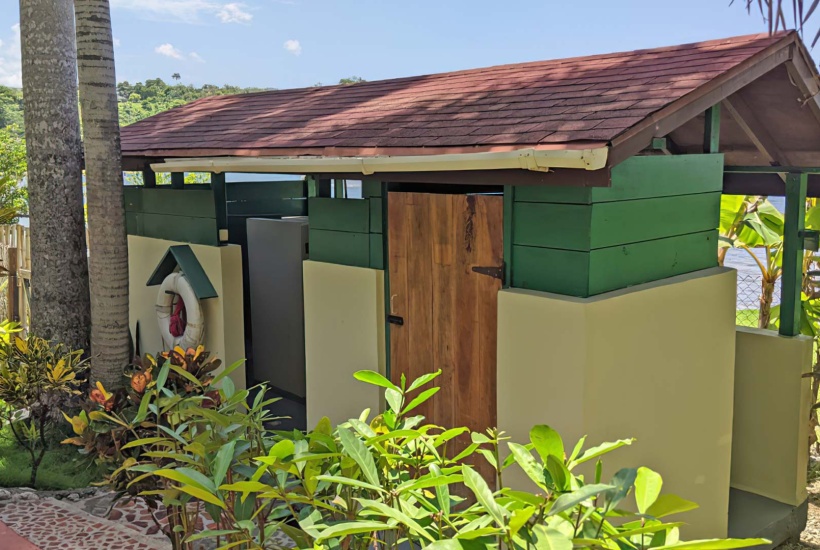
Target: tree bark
x,y
59,264
108,246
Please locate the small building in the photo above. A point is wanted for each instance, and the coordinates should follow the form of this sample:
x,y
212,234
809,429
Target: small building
x,y
544,233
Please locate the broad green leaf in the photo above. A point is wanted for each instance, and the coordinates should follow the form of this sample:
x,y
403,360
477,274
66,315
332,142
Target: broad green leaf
x,y
623,480
442,491
547,442
375,379
666,505
210,534
561,477
652,527
570,500
394,398
647,488
715,544
223,461
228,387
397,515
226,371
527,463
602,449
352,482
445,544
142,412
419,399
550,539
245,487
520,517
202,495
186,375
147,441
423,379
429,481
357,450
188,477
577,449
282,449
483,494
163,375
341,530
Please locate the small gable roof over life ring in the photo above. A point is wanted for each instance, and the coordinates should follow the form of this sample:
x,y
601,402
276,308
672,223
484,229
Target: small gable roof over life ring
x,y
183,256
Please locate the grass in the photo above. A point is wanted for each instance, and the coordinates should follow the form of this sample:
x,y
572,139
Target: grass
x,y
62,468
747,317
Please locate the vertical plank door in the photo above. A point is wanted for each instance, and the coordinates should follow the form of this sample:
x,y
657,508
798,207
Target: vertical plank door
x,y
449,311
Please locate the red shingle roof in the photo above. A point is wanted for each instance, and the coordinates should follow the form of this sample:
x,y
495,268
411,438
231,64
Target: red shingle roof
x,y
546,103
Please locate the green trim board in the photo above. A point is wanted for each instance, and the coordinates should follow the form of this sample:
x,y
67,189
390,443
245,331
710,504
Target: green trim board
x,y
585,274
586,227
639,178
352,215
348,231
564,240
791,309
196,203
173,228
340,247
183,256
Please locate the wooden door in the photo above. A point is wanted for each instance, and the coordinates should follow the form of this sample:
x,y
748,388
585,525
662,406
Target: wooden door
x,y
449,311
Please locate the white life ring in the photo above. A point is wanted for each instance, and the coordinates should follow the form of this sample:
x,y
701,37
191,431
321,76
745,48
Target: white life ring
x,y
176,283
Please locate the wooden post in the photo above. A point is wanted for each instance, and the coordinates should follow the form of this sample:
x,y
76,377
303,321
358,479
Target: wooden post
x,y
13,313
792,281
509,197
711,130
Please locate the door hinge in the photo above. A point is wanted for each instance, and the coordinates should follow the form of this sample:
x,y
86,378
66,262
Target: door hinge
x,y
496,272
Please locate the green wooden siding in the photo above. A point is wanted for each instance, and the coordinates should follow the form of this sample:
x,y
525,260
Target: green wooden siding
x,y
184,215
657,220
186,229
639,178
348,231
576,273
589,226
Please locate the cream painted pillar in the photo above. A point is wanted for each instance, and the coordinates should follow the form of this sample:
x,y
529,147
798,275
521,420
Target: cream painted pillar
x,y
224,321
771,421
344,333
654,362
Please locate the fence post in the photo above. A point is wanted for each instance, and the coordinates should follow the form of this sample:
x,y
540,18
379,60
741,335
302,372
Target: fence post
x,y
11,289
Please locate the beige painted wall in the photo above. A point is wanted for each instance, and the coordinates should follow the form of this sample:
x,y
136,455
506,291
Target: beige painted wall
x,y
344,333
772,400
654,362
224,325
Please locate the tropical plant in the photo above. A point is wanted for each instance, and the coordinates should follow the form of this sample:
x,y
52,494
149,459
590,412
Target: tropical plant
x,y
13,195
378,481
795,14
36,378
59,267
107,243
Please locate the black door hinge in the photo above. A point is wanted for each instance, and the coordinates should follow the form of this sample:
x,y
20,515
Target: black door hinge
x,y
496,272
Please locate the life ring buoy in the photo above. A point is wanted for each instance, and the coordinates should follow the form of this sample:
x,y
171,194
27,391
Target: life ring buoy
x,y
177,284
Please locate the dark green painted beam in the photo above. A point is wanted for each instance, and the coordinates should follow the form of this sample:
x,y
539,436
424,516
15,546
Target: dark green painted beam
x,y
177,180
351,215
711,130
149,178
220,200
795,219
509,202
195,203
184,257
771,170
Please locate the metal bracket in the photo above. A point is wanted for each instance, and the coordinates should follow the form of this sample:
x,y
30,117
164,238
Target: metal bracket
x,y
810,239
496,272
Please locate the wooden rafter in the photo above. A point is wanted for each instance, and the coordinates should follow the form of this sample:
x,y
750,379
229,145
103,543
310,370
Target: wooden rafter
x,y
805,78
678,113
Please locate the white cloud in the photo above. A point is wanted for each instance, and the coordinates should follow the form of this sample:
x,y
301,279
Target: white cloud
x,y
11,68
233,13
196,57
116,42
293,46
168,50
185,11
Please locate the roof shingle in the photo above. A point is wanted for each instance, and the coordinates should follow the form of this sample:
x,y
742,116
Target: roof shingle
x,y
583,99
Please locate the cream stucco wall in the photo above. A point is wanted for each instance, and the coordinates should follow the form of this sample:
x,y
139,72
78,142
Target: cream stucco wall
x,y
344,333
772,400
654,362
224,325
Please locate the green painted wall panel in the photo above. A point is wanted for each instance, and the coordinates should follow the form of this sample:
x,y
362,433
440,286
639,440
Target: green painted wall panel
x,y
640,178
622,266
375,215
371,188
198,203
376,251
351,215
186,229
267,207
599,225
575,273
339,247
263,190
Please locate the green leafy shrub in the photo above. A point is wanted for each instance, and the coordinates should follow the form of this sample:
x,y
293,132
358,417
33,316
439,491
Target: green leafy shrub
x,y
376,481
36,378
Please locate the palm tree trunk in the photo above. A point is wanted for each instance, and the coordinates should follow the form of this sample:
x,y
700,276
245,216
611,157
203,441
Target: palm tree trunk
x,y
108,246
766,298
59,264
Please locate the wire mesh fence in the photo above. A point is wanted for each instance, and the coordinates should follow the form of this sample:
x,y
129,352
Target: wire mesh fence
x,y
749,299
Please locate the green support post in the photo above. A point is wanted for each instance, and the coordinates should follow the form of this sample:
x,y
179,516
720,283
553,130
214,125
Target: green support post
x,y
177,180
220,200
149,178
711,130
339,189
795,220
509,197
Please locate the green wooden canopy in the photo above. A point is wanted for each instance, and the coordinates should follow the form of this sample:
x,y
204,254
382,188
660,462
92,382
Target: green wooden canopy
x,y
182,256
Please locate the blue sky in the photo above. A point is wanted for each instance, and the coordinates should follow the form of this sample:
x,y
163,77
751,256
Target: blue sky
x,y
293,43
